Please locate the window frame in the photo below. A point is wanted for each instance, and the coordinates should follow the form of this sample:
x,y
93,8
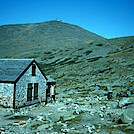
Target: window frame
x,y
33,70
29,91
36,89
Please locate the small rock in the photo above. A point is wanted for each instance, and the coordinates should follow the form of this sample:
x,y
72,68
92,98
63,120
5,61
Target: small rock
x,y
2,130
101,115
112,104
62,109
40,118
65,130
90,129
126,101
128,116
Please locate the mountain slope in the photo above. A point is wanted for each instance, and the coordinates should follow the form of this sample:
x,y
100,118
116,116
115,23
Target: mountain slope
x,y
41,36
67,51
85,66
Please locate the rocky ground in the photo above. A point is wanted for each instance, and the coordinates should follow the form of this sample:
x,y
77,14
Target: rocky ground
x,y
90,113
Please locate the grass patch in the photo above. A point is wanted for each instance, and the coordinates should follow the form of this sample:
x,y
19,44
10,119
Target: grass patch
x,y
122,127
36,125
88,52
57,127
21,117
99,45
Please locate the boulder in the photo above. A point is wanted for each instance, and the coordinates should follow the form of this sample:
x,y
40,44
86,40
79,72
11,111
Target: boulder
x,y
43,127
126,101
112,104
131,127
117,132
128,116
54,117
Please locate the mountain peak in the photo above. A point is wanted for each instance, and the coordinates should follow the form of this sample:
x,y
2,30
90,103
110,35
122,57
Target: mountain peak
x,y
23,38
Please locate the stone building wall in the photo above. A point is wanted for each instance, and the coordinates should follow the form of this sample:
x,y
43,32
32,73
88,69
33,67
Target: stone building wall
x,y
6,94
22,86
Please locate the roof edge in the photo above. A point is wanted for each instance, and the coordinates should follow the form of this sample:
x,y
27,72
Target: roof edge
x,y
11,82
32,61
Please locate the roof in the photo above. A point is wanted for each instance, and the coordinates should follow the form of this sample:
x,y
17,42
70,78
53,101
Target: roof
x,y
11,69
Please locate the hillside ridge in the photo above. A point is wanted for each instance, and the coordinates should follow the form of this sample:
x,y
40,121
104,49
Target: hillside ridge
x,y
20,38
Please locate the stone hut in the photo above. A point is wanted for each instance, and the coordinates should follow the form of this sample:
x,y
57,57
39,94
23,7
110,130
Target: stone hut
x,y
22,83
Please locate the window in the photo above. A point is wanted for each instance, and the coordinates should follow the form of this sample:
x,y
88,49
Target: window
x,y
35,91
32,90
29,91
33,70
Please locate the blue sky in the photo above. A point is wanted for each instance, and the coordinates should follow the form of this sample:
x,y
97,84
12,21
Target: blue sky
x,y
108,18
